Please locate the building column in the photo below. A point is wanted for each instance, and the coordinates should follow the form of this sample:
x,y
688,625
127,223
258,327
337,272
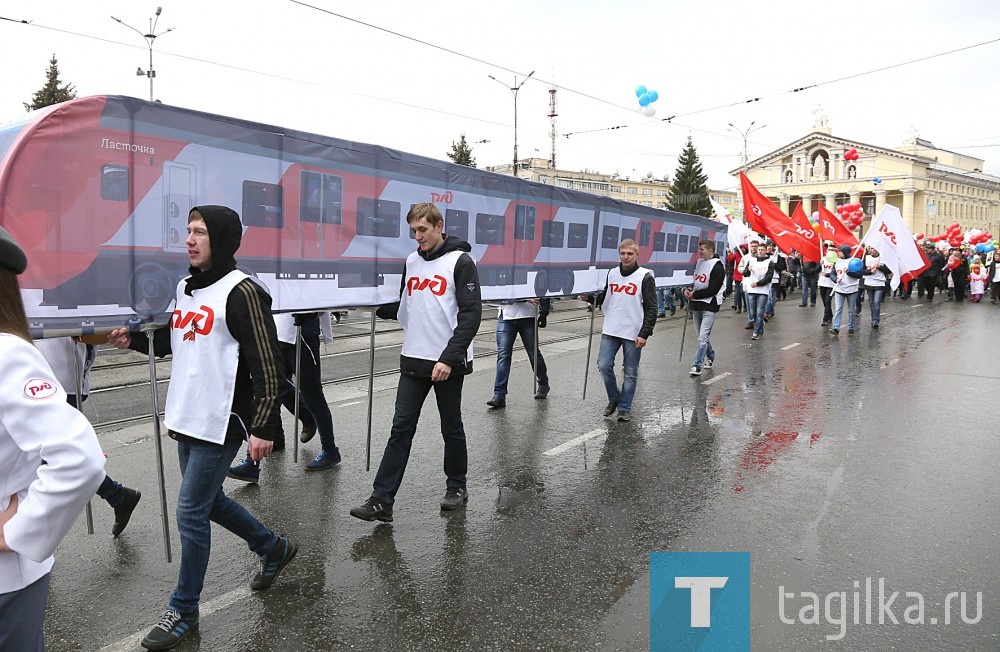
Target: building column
x,y
831,202
784,202
908,216
807,204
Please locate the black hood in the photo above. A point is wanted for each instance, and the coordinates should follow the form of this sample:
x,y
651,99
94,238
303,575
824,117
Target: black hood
x,y
225,231
451,243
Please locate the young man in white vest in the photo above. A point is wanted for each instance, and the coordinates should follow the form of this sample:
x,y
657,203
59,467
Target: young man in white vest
x,y
439,308
705,296
629,305
226,383
515,319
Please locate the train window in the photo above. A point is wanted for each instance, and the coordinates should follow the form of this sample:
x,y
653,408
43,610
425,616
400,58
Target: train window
x,y
579,236
321,199
645,229
378,217
114,182
262,205
693,245
456,223
671,242
609,238
524,222
553,234
682,243
628,234
490,229
659,241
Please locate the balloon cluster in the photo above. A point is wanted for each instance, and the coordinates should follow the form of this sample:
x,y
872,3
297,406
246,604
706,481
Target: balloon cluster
x,y
954,237
851,214
851,155
646,99
877,181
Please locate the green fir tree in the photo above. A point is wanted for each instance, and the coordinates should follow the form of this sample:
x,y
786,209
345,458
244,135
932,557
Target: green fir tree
x,y
688,193
53,92
461,153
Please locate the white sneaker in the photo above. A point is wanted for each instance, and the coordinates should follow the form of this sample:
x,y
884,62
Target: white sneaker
x,y
708,363
695,371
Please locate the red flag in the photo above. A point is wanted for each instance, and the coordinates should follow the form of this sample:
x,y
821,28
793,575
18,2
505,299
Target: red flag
x,y
764,217
832,229
804,227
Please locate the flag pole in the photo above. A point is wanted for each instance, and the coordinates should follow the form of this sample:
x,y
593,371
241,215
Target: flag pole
x,y
590,346
79,406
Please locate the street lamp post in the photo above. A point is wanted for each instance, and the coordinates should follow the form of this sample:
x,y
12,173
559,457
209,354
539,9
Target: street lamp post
x,y
745,133
150,37
514,89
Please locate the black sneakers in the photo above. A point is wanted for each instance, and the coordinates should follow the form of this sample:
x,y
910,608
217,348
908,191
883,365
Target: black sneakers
x,y
611,409
272,563
247,470
454,498
624,416
173,628
124,511
307,433
498,401
373,509
542,392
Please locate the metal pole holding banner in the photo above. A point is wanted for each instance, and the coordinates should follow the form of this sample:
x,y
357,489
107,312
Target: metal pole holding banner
x,y
590,346
534,359
298,368
371,387
687,315
79,406
149,329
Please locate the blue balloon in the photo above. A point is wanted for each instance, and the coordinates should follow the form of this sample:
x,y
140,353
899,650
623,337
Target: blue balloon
x,y
988,247
876,181
640,90
653,96
855,265
980,248
644,99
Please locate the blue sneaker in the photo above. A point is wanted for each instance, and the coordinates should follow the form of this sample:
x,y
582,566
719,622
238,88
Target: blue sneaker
x,y
272,563
247,471
173,628
324,461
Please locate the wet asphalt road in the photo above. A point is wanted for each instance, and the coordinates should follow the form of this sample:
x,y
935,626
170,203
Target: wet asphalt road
x,y
831,460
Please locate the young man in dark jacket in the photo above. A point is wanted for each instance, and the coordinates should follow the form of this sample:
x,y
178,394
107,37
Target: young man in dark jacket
x,y
225,353
928,280
705,296
440,309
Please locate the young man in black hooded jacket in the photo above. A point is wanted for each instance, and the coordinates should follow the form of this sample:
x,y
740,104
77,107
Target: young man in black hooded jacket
x,y
440,309
226,383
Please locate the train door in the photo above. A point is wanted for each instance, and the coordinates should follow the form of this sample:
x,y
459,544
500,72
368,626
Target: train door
x,y
320,214
524,241
179,191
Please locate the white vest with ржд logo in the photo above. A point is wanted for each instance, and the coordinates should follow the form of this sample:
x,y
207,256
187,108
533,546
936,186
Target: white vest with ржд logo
x,y
430,303
205,358
757,269
702,275
622,307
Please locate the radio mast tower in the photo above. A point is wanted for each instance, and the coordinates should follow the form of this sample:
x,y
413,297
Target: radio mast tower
x,y
552,121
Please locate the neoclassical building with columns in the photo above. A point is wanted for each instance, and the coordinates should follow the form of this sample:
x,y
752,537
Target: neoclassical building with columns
x,y
931,187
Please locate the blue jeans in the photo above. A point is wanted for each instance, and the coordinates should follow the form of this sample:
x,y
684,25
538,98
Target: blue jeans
x,y
630,364
201,500
664,300
410,395
875,297
756,303
772,296
738,295
703,321
311,398
838,308
507,331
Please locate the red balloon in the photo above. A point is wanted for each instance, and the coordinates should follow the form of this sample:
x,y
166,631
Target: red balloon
x,y
919,236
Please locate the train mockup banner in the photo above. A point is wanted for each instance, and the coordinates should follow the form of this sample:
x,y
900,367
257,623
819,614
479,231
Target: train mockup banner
x,y
97,191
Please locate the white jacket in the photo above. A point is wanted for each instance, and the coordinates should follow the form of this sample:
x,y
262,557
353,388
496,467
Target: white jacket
x,y
36,424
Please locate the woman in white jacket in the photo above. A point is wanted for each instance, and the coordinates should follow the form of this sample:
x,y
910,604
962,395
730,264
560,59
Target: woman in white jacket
x,y
50,465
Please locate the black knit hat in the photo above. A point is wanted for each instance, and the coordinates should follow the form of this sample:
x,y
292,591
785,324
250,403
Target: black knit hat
x,y
11,256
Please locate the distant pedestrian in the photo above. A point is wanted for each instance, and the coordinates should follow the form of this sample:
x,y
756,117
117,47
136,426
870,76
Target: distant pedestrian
x,y
847,276
810,279
439,320
876,281
977,283
705,296
757,276
825,281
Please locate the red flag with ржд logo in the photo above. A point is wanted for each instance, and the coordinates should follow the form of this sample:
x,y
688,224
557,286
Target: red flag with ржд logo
x,y
804,226
764,217
832,229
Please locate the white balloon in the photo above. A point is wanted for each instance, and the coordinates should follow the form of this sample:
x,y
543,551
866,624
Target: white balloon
x,y
648,111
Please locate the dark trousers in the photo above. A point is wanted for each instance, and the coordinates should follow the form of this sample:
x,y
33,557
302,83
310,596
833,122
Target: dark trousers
x,y
313,408
22,617
826,294
927,284
410,395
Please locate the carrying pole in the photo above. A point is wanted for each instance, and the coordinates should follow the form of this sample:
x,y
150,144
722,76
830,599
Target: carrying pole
x,y
590,346
149,329
298,369
371,386
79,406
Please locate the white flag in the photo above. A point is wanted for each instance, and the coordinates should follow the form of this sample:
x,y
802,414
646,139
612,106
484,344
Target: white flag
x,y
721,212
895,244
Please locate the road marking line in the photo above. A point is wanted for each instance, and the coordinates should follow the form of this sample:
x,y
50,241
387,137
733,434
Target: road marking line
x,y
351,403
890,362
717,378
577,440
207,609
790,346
